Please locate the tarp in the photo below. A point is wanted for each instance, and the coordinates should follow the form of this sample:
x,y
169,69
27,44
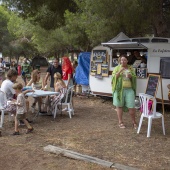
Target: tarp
x,y
83,69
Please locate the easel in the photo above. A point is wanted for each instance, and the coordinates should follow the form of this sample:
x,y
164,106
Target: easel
x,y
152,87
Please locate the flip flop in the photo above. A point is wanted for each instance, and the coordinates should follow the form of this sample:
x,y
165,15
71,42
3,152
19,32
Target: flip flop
x,y
135,126
122,126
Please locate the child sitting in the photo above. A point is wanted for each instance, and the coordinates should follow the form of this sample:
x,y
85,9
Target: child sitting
x,y
60,87
20,109
36,84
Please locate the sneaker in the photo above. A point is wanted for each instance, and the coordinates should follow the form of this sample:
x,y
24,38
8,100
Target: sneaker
x,y
16,133
29,130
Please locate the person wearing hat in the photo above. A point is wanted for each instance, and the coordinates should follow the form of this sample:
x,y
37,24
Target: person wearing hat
x,y
59,86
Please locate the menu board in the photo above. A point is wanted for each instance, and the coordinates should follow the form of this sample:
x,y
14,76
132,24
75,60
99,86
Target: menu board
x,y
141,73
152,85
100,63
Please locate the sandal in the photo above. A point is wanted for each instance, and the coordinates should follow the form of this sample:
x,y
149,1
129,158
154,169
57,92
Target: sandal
x,y
135,126
122,126
29,130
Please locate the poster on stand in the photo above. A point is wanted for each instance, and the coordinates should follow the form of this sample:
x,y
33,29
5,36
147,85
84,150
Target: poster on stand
x,y
100,63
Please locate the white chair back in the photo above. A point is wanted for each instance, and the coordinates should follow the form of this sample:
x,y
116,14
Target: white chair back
x,y
69,95
148,104
3,103
66,102
3,100
148,109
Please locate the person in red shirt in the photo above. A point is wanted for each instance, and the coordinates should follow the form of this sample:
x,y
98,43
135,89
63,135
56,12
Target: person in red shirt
x,y
67,71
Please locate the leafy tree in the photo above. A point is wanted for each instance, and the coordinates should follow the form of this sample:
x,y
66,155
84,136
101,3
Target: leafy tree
x,y
74,34
57,26
157,15
48,14
4,34
22,32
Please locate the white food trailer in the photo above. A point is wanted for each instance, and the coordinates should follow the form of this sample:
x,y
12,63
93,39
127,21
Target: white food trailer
x,y
105,57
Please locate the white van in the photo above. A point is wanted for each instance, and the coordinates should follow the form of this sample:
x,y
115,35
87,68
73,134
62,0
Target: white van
x,y
105,57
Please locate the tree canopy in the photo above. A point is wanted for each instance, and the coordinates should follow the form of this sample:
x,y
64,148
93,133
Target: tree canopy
x,y
45,27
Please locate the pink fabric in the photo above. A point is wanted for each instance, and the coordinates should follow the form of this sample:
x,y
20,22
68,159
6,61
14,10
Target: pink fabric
x,y
149,107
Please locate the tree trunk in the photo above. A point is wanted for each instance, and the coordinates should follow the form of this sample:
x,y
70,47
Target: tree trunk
x,y
159,24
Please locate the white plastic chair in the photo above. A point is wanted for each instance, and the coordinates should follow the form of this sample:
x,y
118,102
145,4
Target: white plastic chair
x,y
149,113
67,102
3,103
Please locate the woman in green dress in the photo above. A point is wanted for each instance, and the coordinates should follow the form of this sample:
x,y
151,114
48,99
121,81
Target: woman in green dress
x,y
124,90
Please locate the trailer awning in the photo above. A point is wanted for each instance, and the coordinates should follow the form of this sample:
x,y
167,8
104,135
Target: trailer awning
x,y
125,45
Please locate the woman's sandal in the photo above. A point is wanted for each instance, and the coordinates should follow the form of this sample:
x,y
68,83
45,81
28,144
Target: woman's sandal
x,y
135,126
122,126
29,130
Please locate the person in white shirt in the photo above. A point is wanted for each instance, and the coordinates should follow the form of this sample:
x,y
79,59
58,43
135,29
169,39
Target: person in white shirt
x,y
7,84
7,88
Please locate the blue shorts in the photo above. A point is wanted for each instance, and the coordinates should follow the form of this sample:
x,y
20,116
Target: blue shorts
x,y
128,98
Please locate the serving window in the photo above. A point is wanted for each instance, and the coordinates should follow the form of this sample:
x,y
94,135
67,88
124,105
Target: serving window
x,y
136,62
165,67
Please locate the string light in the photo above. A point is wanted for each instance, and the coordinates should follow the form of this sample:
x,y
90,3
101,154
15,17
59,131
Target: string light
x,y
141,53
118,54
128,53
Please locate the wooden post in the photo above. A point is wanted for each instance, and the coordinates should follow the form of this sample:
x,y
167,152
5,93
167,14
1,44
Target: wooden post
x,y
162,98
75,155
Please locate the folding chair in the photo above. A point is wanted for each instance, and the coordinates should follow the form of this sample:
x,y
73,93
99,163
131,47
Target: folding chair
x,y
67,101
3,103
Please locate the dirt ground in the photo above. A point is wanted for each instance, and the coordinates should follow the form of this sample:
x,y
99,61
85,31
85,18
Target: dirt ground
x,y
93,131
